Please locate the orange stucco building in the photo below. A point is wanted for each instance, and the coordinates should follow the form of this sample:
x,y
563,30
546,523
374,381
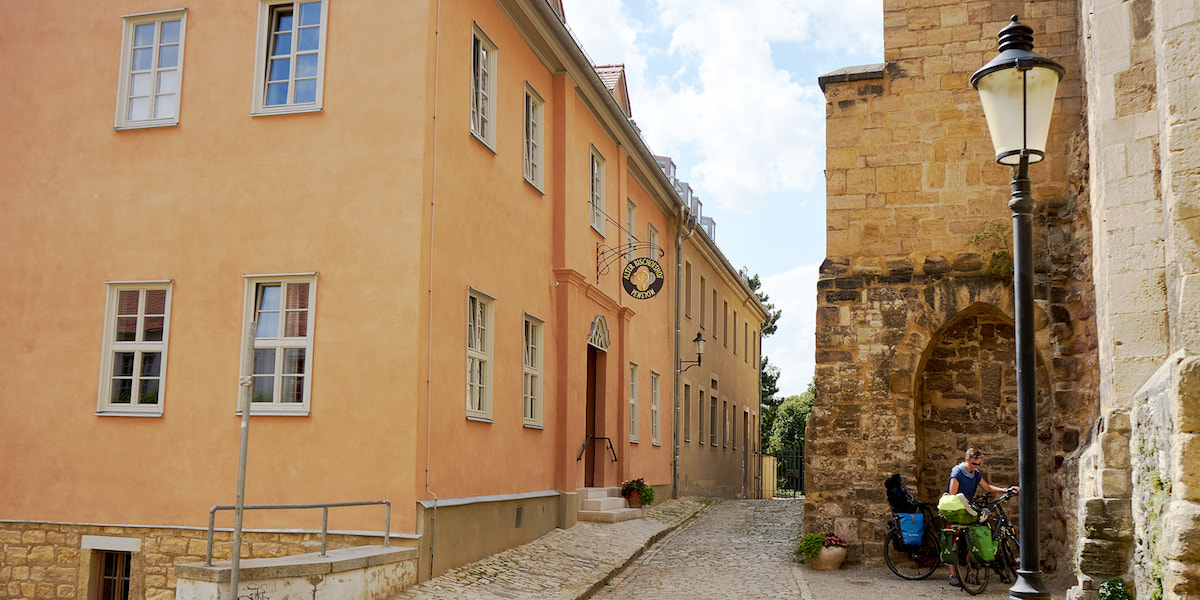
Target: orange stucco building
x,y
402,227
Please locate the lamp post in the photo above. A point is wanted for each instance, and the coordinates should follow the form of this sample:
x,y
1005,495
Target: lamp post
x,y
699,341
1017,92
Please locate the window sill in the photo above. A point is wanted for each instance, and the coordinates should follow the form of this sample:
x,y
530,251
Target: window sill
x,y
536,186
534,426
128,413
658,444
146,125
285,110
297,412
482,140
479,419
633,441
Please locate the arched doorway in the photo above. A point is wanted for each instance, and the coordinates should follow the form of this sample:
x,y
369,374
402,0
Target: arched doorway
x,y
966,397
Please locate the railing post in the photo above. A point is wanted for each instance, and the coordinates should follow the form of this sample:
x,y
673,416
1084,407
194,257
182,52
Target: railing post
x,y
387,525
324,527
212,519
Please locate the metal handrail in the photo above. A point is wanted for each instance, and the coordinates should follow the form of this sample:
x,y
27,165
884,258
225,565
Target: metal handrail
x,y
589,441
324,506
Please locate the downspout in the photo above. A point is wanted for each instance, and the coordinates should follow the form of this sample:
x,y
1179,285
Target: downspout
x,y
679,239
429,330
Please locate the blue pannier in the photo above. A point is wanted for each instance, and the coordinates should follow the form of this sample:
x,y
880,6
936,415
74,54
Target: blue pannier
x,y
912,528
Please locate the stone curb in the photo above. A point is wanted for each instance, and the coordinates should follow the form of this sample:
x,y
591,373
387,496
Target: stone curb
x,y
654,539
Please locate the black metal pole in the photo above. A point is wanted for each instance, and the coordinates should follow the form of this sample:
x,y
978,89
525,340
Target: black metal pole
x,y
1029,584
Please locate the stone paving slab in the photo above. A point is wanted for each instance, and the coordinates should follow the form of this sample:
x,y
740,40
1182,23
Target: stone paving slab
x,y
565,564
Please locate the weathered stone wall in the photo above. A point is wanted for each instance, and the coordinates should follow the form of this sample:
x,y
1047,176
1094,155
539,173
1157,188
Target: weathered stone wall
x,y
1139,497
912,325
45,560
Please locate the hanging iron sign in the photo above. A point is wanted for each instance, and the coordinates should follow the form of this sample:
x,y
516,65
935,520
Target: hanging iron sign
x,y
642,278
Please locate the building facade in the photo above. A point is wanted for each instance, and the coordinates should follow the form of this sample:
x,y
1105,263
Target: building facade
x,y
424,305
914,319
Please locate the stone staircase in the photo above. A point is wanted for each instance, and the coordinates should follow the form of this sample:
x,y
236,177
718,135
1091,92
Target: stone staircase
x,y
606,505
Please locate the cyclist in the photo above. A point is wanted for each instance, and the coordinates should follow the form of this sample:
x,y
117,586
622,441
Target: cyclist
x,y
966,478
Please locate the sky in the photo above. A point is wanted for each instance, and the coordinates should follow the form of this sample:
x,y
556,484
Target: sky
x,y
728,89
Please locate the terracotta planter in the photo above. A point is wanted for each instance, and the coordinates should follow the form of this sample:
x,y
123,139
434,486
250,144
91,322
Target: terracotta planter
x,y
634,500
830,559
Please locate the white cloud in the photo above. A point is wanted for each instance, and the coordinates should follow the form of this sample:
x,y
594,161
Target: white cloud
x,y
752,129
793,346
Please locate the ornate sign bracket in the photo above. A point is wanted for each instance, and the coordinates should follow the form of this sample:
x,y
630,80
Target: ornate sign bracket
x,y
607,255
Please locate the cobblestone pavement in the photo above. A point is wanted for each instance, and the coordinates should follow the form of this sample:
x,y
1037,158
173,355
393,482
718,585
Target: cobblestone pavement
x,y
736,549
565,564
731,549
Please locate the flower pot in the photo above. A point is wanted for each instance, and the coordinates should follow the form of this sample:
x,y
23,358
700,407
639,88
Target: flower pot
x,y
634,500
830,559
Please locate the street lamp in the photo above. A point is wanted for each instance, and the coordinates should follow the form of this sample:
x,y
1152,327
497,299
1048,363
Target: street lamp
x,y
1017,92
699,341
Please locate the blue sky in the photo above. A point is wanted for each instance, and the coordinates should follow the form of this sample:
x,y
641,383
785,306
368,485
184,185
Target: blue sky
x,y
729,91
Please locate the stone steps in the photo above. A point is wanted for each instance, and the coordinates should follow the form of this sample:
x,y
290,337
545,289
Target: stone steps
x,y
605,505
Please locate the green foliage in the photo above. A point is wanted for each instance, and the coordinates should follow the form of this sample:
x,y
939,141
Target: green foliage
x,y
810,547
994,240
790,421
640,487
773,313
1114,589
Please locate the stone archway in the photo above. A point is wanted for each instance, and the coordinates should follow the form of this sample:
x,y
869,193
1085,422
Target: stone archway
x,y
966,396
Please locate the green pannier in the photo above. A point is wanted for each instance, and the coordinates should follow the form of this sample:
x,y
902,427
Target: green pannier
x,y
946,536
955,510
983,547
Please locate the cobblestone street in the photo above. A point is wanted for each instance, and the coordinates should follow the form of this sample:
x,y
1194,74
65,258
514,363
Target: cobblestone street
x,y
685,549
734,549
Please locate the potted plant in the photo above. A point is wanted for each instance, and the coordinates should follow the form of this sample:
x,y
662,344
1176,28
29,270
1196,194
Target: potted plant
x,y
825,552
637,492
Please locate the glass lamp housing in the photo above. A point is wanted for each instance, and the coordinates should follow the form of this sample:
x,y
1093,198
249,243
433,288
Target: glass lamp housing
x,y
1017,91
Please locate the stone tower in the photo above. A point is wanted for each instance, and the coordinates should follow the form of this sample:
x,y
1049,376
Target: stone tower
x,y
915,341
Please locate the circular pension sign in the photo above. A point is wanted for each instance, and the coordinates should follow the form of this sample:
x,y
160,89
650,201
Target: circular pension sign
x,y
642,278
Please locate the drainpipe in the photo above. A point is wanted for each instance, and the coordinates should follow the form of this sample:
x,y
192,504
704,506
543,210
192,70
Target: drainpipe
x,y
429,330
679,239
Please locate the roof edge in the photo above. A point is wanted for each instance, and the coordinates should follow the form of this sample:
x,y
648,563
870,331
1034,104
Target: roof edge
x,y
846,74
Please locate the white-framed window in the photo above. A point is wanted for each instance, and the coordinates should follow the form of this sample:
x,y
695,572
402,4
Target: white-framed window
x,y
703,302
133,368
652,238
479,355
290,57
151,70
534,118
687,287
597,190
655,425
630,226
483,87
700,418
735,344
282,310
532,404
633,402
712,425
687,412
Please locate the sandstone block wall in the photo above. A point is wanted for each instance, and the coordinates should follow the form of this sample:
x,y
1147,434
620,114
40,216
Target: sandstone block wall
x,y
45,560
914,335
1138,497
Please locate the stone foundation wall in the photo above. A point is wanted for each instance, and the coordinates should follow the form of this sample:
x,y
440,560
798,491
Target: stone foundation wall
x,y
46,560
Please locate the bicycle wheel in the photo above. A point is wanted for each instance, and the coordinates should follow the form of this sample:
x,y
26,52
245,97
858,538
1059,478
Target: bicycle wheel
x,y
911,562
972,573
1008,558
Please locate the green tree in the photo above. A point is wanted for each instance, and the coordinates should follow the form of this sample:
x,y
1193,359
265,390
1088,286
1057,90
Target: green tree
x,y
771,324
768,399
790,422
768,373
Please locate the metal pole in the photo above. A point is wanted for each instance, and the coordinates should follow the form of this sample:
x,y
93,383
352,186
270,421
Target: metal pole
x,y
1029,584
246,381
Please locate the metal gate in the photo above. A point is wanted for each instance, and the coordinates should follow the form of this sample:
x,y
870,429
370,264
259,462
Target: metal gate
x,y
789,472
